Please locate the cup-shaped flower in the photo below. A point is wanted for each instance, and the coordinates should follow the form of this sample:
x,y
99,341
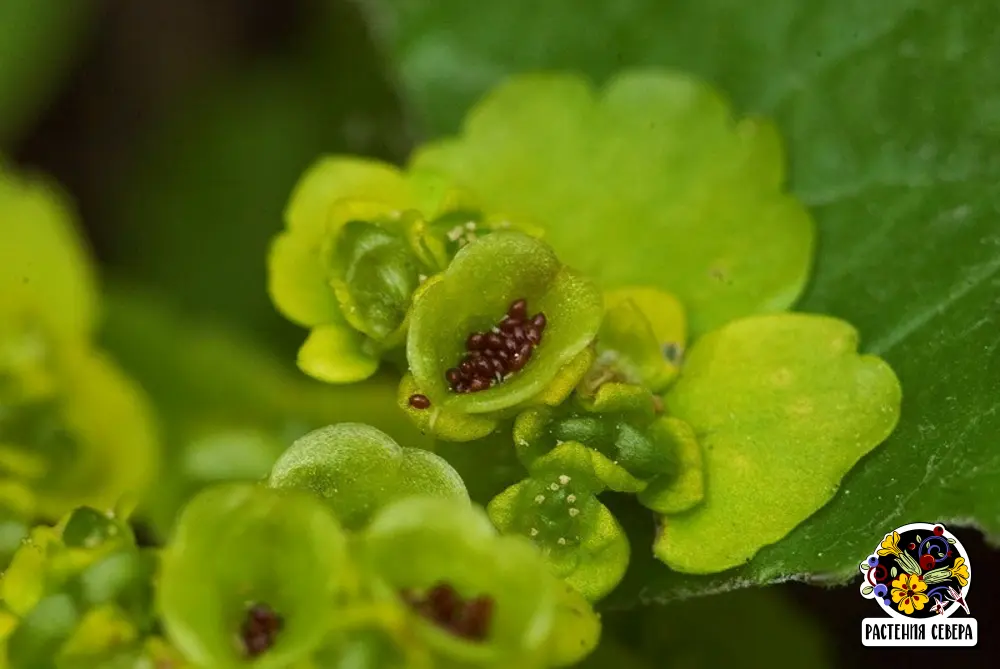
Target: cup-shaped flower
x,y
356,470
251,576
631,447
496,328
343,266
478,599
557,508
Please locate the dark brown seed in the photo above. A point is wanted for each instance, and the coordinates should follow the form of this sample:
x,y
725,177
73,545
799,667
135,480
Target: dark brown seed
x,y
482,366
521,359
444,601
532,335
469,619
507,325
259,629
478,383
461,387
539,322
419,401
453,375
493,341
475,341
518,310
465,367
473,620
519,334
497,365
510,345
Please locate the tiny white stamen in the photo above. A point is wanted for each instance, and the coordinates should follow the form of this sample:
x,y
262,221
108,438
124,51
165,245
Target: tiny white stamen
x,y
470,225
455,233
534,532
574,512
539,499
570,499
563,479
561,541
554,486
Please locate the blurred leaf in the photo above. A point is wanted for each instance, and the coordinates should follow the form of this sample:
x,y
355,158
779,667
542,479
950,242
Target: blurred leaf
x,y
47,278
719,631
228,408
215,176
200,212
891,112
38,39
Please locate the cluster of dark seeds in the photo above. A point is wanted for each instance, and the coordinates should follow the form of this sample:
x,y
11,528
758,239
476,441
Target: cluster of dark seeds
x,y
493,356
465,618
259,630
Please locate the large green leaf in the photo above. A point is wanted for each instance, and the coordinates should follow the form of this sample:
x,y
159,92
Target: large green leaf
x,y
891,115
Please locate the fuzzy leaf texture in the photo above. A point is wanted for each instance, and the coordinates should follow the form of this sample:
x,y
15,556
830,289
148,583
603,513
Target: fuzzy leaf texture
x,y
357,469
902,190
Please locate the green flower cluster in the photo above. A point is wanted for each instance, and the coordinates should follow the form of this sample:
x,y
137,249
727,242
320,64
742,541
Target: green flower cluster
x,y
657,361
354,553
360,553
73,429
80,594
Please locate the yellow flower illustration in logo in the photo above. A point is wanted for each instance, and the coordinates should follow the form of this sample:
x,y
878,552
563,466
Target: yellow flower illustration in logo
x,y
908,591
889,545
960,570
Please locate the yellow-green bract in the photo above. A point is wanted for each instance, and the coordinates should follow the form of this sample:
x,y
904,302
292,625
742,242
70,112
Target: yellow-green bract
x,y
650,182
783,406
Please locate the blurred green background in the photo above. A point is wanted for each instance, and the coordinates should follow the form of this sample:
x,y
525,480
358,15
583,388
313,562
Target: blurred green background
x,y
179,128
